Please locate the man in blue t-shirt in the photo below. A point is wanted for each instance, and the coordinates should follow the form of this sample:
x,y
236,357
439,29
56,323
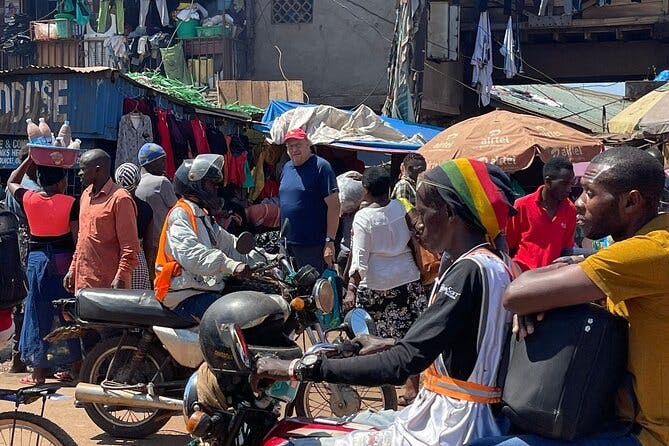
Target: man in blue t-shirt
x,y
310,201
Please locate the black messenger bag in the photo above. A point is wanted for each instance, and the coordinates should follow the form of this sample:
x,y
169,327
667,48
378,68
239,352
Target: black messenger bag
x,y
561,381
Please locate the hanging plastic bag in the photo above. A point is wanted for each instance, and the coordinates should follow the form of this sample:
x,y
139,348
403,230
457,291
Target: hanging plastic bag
x,y
174,63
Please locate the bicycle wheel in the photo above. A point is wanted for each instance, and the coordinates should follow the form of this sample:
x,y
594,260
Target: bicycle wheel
x,y
28,429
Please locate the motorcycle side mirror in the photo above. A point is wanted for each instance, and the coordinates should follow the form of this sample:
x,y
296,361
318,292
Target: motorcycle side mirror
x,y
358,322
245,243
323,296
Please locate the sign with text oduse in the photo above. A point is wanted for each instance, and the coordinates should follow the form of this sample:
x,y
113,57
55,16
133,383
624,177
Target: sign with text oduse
x,y
23,99
30,98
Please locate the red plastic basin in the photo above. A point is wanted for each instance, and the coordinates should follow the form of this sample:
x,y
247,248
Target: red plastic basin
x,y
53,156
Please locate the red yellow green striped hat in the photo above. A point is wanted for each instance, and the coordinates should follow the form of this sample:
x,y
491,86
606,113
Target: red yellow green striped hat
x,y
468,187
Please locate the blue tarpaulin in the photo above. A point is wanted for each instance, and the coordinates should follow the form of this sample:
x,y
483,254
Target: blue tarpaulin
x,y
277,108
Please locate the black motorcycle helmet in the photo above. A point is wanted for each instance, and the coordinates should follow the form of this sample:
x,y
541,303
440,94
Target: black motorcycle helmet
x,y
199,179
261,318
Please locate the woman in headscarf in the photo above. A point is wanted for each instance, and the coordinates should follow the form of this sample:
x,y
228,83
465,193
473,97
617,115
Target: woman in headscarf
x,y
458,340
127,176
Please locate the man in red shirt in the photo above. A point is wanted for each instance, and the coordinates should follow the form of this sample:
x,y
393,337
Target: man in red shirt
x,y
544,227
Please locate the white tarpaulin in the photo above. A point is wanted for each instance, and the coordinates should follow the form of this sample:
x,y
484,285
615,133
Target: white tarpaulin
x,y
325,124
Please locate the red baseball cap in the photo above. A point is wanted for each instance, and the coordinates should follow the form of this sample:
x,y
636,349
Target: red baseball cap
x,y
295,134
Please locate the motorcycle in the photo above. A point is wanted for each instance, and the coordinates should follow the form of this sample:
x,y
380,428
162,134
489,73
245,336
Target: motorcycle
x,y
132,381
250,419
321,399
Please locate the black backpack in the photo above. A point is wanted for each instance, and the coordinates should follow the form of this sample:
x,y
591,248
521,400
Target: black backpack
x,y
561,381
12,278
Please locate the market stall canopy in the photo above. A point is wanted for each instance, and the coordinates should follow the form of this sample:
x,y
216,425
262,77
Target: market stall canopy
x,y
511,141
360,129
647,116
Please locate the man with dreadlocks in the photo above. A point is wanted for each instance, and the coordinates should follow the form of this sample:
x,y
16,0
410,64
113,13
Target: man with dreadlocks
x,y
457,341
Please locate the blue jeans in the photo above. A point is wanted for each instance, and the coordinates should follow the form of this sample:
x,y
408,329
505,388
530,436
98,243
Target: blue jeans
x,y
195,306
617,437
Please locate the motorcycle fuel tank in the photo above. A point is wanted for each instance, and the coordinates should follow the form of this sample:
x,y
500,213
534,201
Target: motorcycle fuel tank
x,y
182,344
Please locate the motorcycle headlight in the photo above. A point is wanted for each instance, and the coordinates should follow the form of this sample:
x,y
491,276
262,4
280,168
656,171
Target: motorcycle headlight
x,y
323,296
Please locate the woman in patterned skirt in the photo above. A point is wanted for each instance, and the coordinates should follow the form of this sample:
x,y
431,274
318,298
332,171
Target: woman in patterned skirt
x,y
384,278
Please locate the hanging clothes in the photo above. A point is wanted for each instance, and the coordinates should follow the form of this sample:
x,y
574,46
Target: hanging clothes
x,y
162,11
543,7
233,165
200,135
216,140
237,173
482,60
248,177
104,12
269,156
165,142
508,51
180,145
136,104
134,130
508,7
187,134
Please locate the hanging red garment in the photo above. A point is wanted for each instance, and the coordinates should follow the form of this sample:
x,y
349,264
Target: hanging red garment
x,y
236,169
270,189
166,142
200,135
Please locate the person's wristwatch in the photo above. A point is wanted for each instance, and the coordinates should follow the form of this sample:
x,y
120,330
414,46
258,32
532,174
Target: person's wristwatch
x,y
305,370
329,239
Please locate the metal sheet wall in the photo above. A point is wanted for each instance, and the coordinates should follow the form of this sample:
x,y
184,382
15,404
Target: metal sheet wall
x,y
59,53
92,104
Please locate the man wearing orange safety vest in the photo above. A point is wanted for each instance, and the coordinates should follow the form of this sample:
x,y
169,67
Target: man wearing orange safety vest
x,y
195,254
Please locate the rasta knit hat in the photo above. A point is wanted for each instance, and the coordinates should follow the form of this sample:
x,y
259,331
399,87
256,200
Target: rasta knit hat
x,y
149,152
479,193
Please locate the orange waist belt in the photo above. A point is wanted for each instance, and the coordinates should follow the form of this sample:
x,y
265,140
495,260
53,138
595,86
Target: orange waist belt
x,y
462,390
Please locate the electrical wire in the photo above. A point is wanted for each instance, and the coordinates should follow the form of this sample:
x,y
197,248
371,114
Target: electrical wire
x,y
280,60
362,20
371,92
431,67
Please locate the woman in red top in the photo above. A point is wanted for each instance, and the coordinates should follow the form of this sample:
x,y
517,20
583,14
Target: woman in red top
x,y
53,220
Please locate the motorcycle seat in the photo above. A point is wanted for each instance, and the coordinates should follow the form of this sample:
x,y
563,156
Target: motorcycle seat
x,y
126,307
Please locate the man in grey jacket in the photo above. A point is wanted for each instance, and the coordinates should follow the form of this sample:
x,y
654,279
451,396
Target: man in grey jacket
x,y
158,191
195,254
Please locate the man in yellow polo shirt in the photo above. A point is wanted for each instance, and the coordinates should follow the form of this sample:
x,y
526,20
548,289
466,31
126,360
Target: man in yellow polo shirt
x,y
621,193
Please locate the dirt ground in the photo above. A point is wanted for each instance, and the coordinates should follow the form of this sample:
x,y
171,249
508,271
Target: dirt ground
x,y
77,424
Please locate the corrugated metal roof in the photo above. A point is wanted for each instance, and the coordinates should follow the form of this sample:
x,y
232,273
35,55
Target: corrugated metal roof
x,y
576,106
113,73
34,69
